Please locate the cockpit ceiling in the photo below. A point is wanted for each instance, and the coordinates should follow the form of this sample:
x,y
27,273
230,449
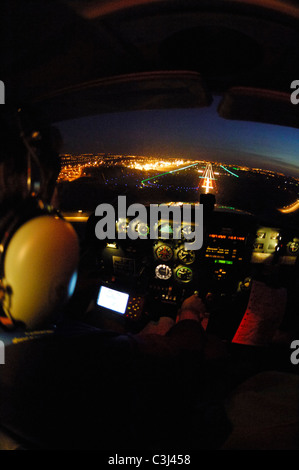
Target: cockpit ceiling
x,y
257,105
131,92
57,45
52,44
99,8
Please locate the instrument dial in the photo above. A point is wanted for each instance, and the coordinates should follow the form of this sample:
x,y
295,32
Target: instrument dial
x,y
142,229
122,225
293,247
187,231
163,271
186,256
164,252
184,274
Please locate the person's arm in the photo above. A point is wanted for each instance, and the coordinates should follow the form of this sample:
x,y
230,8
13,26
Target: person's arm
x,y
186,334
192,308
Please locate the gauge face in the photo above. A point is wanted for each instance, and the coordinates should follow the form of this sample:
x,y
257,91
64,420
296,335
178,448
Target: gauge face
x,y
165,230
186,256
142,229
184,274
164,252
187,232
122,226
163,271
293,247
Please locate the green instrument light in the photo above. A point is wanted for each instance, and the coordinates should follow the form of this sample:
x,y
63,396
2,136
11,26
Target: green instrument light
x,y
223,261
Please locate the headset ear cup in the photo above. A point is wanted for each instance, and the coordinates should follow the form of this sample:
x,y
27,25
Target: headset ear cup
x,y
25,210
40,268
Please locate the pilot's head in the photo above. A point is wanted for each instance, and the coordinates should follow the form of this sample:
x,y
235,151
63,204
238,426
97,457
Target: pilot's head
x,y
29,156
38,250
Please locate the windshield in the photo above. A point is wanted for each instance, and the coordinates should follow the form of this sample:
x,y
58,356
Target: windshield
x,y
175,155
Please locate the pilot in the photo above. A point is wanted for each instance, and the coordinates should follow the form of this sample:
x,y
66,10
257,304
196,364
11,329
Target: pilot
x,y
66,384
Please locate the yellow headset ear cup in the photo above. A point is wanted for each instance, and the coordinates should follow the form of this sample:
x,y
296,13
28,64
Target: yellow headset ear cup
x,y
40,266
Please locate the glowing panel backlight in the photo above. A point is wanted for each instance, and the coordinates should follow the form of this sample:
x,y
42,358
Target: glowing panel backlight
x,y
226,237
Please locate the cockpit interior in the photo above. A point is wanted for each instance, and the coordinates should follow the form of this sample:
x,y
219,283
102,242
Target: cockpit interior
x,y
179,175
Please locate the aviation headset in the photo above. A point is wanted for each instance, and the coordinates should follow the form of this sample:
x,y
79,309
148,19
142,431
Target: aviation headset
x,y
39,250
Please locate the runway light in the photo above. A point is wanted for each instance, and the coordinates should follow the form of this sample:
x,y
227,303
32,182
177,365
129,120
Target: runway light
x,y
237,176
208,178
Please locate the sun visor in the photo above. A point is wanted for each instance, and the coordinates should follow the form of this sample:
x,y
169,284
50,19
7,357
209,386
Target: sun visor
x,y
142,91
258,105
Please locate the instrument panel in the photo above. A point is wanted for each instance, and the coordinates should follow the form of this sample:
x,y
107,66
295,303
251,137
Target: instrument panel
x,y
162,272
234,244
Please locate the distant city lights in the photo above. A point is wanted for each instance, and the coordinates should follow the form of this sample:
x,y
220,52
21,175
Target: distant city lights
x,y
143,171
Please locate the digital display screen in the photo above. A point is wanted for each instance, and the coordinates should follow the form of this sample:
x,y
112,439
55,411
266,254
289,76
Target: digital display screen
x,y
227,237
225,248
112,299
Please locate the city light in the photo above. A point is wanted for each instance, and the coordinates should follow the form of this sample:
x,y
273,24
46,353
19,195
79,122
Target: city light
x,y
155,165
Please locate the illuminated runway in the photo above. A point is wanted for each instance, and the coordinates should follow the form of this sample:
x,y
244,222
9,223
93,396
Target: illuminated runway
x,y
208,178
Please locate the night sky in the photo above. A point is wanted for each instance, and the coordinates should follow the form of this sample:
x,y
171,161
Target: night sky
x,y
192,134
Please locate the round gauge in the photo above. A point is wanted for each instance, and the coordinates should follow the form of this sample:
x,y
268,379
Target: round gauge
x,y
184,274
165,230
163,271
142,229
293,247
186,256
122,226
164,252
187,231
